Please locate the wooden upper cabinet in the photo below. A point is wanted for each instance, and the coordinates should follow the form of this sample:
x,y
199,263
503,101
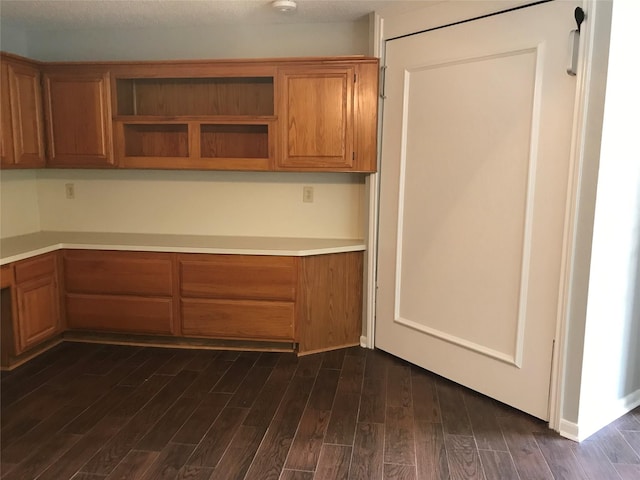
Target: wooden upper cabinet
x,y
78,115
22,143
327,116
315,114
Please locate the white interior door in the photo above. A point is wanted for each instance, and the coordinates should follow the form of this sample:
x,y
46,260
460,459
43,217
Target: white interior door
x,y
475,159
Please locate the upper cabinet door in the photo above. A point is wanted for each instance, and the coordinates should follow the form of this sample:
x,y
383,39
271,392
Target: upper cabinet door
x,y
22,123
78,112
316,118
6,139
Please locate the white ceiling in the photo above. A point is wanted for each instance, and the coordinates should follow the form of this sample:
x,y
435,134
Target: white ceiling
x,y
87,14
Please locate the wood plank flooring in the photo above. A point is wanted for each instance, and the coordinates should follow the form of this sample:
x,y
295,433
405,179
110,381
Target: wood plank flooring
x,y
104,412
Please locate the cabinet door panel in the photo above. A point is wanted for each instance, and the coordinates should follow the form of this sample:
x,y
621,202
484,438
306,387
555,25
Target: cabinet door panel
x,y
119,313
118,273
330,314
21,120
316,112
238,277
38,316
26,108
79,119
241,319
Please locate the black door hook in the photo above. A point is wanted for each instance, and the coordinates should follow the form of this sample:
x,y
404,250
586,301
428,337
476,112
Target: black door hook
x,y
579,15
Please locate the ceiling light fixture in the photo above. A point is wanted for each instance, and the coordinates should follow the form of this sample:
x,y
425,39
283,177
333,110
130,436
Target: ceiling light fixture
x,y
284,5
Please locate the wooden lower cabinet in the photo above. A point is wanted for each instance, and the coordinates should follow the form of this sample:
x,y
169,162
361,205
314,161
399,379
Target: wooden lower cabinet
x,y
37,313
130,292
314,302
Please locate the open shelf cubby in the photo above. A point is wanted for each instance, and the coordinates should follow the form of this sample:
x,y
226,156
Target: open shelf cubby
x,y
220,96
234,141
156,140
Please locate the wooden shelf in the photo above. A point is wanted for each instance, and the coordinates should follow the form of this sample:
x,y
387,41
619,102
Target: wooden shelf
x,y
234,141
195,96
156,140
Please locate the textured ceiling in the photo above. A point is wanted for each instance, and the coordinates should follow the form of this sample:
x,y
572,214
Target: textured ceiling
x,y
74,14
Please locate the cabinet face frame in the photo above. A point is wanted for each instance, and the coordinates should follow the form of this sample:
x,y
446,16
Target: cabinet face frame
x,y
61,86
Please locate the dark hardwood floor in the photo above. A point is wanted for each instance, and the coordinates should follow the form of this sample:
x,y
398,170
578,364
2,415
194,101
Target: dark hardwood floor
x,y
91,412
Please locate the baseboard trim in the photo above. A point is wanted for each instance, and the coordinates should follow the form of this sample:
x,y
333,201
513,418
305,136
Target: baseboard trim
x,y
164,341
364,342
583,430
569,430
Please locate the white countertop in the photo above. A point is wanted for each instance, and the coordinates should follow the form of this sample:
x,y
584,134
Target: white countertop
x,y
13,249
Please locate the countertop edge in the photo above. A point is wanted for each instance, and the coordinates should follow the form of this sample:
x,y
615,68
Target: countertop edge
x,y
291,252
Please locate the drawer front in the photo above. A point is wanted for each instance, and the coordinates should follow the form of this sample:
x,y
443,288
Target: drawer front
x,y
118,273
119,314
238,277
39,266
238,319
6,276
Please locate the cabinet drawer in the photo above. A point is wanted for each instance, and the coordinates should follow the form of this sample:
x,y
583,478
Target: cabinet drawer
x,y
238,277
238,319
119,313
35,267
6,276
118,273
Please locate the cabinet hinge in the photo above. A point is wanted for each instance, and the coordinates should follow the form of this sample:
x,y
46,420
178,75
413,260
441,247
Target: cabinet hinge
x,y
383,77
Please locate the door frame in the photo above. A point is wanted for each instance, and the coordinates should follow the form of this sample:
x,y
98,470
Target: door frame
x,y
377,48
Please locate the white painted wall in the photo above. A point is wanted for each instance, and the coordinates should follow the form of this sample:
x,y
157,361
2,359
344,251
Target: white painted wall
x,y
443,13
13,39
611,362
221,41
19,213
203,203
218,203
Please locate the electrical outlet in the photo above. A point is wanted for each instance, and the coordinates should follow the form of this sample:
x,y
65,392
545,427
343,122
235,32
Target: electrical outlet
x,y
307,194
70,191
